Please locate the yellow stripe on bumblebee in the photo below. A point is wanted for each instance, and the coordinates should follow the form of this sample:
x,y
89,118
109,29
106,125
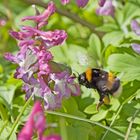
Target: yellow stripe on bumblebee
x,y
89,74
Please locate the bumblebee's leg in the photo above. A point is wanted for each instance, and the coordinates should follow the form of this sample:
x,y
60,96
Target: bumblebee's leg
x,y
98,105
104,99
100,101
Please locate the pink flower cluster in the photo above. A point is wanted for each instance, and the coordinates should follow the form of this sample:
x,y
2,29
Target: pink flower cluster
x,y
80,3
36,123
42,77
106,8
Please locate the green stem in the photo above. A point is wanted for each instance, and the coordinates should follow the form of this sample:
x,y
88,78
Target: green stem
x,y
86,120
118,112
19,117
63,128
117,23
130,125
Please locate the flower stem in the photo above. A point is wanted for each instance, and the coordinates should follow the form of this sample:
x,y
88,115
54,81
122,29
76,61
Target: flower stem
x,y
19,117
130,125
118,112
85,120
63,129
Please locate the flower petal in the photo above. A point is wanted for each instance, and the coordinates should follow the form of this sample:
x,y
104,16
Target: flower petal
x,y
27,131
42,18
102,2
135,27
64,2
136,47
107,9
82,3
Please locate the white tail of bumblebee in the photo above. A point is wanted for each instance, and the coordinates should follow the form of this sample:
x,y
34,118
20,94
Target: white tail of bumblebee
x,y
118,92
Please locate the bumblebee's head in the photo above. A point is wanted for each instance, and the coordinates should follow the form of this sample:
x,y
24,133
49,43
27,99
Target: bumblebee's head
x,y
88,78
82,79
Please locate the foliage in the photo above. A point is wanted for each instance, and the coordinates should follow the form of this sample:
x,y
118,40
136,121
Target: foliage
x,y
104,42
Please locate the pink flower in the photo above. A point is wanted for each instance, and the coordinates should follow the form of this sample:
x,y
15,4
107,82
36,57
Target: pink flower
x,y
32,123
11,57
21,35
135,27
102,2
52,101
42,77
80,3
107,8
136,47
49,38
65,1
36,123
43,57
42,19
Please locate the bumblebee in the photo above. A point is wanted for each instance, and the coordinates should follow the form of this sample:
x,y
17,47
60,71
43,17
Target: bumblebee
x,y
104,82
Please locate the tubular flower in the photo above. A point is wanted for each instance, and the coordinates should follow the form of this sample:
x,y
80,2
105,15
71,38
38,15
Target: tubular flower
x,y
80,3
42,19
36,123
136,47
63,86
101,2
106,9
65,1
135,27
42,77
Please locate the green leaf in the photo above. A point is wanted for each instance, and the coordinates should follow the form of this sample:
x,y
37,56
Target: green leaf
x,y
136,120
108,27
5,132
78,132
59,54
127,64
7,93
99,116
1,69
138,96
30,11
70,105
3,113
114,104
119,17
78,58
113,38
91,109
131,13
130,90
94,46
